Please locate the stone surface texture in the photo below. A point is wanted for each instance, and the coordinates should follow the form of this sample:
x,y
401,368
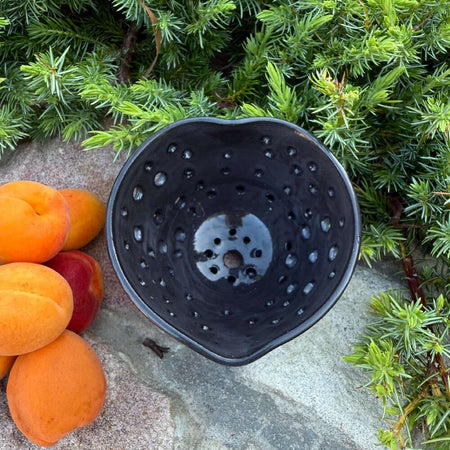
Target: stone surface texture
x,y
299,396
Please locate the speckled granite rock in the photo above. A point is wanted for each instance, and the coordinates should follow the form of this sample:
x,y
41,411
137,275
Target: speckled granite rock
x,y
300,396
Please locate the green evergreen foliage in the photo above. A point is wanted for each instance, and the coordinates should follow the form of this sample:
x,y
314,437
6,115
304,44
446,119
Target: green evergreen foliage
x,y
370,78
405,349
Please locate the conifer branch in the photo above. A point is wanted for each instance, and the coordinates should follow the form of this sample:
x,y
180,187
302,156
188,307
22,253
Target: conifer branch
x,y
126,53
368,78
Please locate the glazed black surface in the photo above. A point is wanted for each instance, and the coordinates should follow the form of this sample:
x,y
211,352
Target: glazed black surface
x,y
233,236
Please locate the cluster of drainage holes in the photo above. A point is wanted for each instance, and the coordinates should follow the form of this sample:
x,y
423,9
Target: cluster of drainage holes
x,y
160,177
233,259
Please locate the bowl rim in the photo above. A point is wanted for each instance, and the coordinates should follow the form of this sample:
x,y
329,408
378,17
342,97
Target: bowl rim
x,y
172,330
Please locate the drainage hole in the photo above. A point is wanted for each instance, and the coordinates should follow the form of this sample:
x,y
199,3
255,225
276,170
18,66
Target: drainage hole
x,y
306,232
208,253
187,154
291,260
180,235
162,247
232,232
138,193
217,241
138,233
246,240
214,270
313,256
180,202
250,272
256,253
240,189
270,198
160,179
231,279
291,288
308,287
158,217
296,170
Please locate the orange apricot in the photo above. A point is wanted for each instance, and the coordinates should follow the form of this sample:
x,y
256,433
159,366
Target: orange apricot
x,y
6,363
87,217
56,389
34,222
36,304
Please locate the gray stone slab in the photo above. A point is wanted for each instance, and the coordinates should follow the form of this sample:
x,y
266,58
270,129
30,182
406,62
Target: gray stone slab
x,y
299,396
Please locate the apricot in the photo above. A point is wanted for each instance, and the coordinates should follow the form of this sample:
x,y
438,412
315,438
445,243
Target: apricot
x,y
34,222
84,275
87,217
56,389
6,363
36,304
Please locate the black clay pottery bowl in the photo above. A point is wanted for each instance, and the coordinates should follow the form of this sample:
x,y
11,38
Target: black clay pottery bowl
x,y
234,236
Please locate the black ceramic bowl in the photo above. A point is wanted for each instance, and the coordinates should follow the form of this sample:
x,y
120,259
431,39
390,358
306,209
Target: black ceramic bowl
x,y
233,236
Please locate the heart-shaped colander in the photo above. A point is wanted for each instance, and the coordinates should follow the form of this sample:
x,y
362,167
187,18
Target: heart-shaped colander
x,y
234,236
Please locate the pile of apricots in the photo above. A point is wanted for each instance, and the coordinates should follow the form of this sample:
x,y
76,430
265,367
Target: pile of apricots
x,y
50,291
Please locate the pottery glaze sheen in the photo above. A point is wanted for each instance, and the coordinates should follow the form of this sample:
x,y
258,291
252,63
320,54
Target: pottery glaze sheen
x,y
234,236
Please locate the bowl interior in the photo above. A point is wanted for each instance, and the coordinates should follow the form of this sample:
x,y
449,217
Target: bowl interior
x,y
233,236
